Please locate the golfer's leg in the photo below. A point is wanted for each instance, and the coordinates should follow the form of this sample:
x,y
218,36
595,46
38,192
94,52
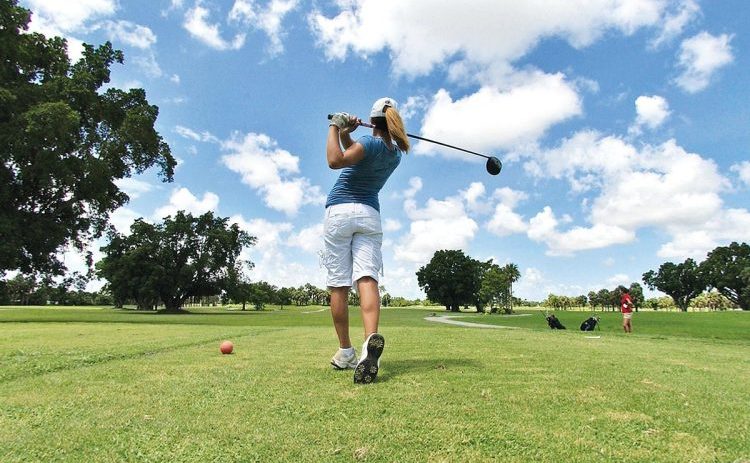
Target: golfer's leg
x,y
369,301
340,314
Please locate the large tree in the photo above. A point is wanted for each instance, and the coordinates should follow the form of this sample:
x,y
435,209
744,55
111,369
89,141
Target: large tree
x,y
683,282
182,257
494,288
63,143
636,295
727,269
452,279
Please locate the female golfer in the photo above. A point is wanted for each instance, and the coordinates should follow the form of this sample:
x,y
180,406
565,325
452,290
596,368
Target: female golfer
x,y
626,305
353,234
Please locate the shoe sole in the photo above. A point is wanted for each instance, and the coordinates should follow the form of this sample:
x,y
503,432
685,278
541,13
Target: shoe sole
x,y
347,367
367,368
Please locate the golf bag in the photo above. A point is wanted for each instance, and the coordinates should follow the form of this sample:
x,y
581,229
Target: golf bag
x,y
589,324
554,323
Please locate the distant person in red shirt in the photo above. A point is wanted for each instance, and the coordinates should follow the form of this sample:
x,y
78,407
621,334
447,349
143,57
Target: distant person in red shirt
x,y
626,306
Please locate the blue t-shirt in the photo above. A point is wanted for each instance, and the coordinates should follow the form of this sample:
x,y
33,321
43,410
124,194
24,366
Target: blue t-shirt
x,y
361,182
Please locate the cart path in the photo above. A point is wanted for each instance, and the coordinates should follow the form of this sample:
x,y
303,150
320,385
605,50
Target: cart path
x,y
449,319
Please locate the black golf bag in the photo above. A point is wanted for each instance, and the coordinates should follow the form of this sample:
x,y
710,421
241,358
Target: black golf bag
x,y
554,323
589,324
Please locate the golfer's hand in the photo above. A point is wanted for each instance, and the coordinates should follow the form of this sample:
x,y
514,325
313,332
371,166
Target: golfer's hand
x,y
351,126
340,120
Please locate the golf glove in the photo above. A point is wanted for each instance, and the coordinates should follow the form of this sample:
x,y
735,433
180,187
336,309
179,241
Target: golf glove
x,y
340,120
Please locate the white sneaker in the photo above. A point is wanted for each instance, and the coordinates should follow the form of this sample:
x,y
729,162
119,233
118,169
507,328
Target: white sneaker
x,y
367,368
341,361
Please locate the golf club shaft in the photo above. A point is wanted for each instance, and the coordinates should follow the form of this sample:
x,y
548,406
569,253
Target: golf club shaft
x,y
366,124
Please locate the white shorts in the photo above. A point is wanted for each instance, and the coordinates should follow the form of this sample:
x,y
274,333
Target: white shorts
x,y
627,315
353,238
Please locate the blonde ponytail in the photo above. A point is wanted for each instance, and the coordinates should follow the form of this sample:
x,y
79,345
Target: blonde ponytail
x,y
396,129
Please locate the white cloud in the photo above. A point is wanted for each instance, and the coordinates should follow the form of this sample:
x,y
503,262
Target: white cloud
x,y
133,187
268,234
661,186
543,228
743,171
64,19
271,263
695,241
474,197
503,32
675,21
270,171
509,196
535,286
701,56
493,119
183,200
651,112
175,79
267,20
585,160
415,185
148,64
129,33
122,218
618,279
309,239
391,225
196,22
505,221
190,134
666,186
413,106
441,224
70,16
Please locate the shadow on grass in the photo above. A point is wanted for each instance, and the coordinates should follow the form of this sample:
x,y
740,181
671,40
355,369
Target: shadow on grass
x,y
395,368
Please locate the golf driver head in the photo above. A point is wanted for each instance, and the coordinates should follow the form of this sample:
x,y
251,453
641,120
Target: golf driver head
x,y
494,166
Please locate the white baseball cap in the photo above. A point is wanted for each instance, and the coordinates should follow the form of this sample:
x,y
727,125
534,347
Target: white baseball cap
x,y
378,108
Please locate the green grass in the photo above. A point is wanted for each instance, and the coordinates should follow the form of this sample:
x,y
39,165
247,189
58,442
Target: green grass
x,y
96,384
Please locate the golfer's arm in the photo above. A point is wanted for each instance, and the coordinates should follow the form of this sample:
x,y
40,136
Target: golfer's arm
x,y
338,159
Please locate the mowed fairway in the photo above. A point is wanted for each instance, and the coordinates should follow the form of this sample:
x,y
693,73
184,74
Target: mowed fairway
x,y
96,384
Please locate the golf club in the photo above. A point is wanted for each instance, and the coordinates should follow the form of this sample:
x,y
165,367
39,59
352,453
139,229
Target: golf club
x,y
494,166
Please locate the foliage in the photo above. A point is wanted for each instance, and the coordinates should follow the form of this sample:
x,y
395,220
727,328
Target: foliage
x,y
63,143
712,300
683,282
495,287
28,290
660,303
452,279
512,274
559,302
728,270
636,294
182,257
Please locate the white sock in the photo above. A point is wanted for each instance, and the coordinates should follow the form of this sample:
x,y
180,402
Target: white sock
x,y
348,351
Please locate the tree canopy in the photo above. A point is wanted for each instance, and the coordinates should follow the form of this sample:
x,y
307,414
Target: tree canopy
x,y
452,279
728,270
63,143
683,282
182,257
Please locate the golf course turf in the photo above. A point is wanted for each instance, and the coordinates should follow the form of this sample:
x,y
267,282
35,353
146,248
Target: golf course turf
x,y
99,384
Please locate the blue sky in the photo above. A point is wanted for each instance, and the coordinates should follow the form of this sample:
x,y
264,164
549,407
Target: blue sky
x,y
622,125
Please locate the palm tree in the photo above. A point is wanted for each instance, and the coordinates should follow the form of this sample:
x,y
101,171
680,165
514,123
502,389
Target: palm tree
x,y
513,274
